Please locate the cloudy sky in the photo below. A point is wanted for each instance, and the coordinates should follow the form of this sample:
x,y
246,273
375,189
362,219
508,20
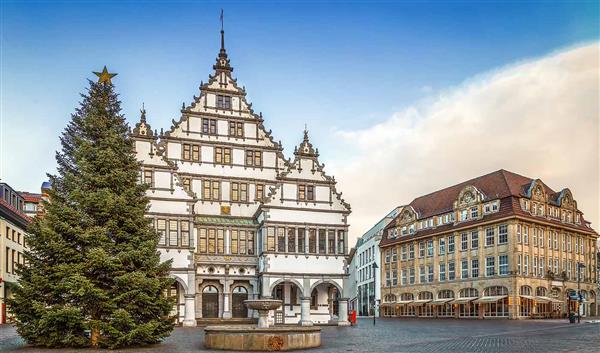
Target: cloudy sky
x,y
402,98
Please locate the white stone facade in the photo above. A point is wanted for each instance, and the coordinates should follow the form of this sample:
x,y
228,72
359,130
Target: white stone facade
x,y
237,218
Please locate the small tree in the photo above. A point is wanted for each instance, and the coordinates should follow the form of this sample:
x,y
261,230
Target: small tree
x,y
93,275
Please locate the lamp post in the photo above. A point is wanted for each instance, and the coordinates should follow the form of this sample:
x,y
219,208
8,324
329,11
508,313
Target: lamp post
x,y
374,289
579,299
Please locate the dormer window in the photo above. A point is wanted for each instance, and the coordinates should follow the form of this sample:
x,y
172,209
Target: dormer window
x,y
474,212
404,230
526,204
223,102
495,206
577,218
463,215
411,229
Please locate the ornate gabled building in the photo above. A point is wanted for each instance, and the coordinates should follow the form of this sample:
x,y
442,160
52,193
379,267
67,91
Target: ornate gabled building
x,y
500,245
236,217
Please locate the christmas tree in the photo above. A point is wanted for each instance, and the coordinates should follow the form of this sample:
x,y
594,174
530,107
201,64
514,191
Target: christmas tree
x,y
93,275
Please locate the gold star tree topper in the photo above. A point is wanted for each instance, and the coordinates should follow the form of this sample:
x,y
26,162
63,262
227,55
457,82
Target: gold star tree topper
x,y
104,76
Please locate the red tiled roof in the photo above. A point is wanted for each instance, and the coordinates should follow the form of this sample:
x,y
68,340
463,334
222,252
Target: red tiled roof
x,y
501,184
30,197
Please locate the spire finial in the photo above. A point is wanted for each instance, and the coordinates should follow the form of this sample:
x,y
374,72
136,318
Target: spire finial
x,y
305,132
222,32
143,111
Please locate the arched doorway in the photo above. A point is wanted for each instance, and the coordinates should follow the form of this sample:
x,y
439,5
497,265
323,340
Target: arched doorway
x,y
324,302
210,302
237,302
289,293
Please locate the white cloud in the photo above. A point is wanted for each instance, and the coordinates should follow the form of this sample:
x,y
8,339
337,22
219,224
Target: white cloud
x,y
539,118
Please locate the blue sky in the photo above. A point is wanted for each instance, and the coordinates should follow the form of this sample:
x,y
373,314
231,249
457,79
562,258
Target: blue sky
x,y
333,65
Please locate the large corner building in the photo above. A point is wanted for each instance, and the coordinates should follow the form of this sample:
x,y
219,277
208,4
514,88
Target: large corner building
x,y
237,218
500,245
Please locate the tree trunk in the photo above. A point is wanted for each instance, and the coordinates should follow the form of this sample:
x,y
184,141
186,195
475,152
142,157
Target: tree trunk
x,y
95,335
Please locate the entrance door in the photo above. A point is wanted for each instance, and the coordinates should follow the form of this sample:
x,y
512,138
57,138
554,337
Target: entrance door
x,y
237,301
210,302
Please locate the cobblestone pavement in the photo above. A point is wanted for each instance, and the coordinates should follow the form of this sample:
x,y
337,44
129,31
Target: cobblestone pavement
x,y
400,335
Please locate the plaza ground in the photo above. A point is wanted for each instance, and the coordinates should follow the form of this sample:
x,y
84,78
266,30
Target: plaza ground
x,y
401,335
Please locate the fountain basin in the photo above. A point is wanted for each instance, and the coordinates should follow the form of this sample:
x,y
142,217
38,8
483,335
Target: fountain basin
x,y
252,338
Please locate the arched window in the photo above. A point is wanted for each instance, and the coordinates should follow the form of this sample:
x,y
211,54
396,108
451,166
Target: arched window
x,y
425,295
525,290
495,291
541,291
445,294
240,290
210,289
407,296
389,298
469,293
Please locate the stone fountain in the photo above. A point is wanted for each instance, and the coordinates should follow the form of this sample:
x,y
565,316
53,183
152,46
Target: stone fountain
x,y
262,337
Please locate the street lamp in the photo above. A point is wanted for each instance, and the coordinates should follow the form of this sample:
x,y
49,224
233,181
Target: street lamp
x,y
374,289
579,298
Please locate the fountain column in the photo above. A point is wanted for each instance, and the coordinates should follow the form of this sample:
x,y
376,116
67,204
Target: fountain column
x,y
343,312
226,300
305,312
190,310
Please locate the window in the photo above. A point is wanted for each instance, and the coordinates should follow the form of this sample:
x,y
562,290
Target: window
x,y
463,215
187,183
161,229
341,246
209,126
474,239
464,267
519,229
534,233
301,237
220,241
474,212
421,249
236,129
541,264
503,234
202,238
464,241
403,252
310,192
541,238
442,246
234,242
280,239
430,248
149,178
474,268
185,233
411,251
489,236
312,241
451,244
422,275
395,277
526,235
526,265
519,263
260,192
222,155
403,277
411,276
211,190
451,271
430,273
223,102
555,240
503,265
239,192
331,243
253,158
270,238
489,266
442,274
322,241
535,266
187,152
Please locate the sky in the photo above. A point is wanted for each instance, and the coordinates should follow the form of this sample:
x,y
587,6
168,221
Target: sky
x,y
401,97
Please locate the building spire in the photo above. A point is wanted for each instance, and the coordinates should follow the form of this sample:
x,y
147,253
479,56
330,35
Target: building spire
x,y
222,60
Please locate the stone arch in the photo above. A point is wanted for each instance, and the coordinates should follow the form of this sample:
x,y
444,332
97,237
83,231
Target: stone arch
x,y
328,281
283,280
181,282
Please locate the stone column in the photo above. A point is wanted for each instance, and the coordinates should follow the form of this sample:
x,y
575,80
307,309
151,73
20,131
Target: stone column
x,y
305,312
226,301
343,312
190,310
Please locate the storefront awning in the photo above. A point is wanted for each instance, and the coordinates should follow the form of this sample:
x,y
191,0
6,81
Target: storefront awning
x,y
464,300
419,302
527,297
553,300
491,299
441,301
403,302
